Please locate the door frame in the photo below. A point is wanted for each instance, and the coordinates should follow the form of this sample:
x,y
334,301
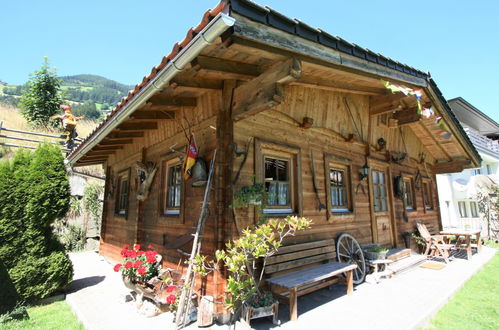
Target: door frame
x,y
383,166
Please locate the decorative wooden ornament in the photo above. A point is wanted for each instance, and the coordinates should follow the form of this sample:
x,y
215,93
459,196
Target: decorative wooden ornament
x,y
145,174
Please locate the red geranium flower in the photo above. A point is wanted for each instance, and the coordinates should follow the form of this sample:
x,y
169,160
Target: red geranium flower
x,y
125,247
131,254
149,246
170,288
128,265
117,267
155,252
170,300
140,253
141,270
137,263
136,247
123,253
151,260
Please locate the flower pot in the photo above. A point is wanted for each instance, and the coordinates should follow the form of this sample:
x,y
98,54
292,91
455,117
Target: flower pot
x,y
374,255
250,313
407,241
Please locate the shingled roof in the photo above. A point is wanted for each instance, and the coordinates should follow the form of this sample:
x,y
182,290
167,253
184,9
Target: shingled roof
x,y
275,19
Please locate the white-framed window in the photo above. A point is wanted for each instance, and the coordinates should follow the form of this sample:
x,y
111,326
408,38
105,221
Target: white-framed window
x,y
463,211
339,188
409,196
474,209
277,166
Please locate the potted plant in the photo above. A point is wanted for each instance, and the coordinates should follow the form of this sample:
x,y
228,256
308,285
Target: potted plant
x,y
254,194
376,252
407,235
245,260
261,305
138,266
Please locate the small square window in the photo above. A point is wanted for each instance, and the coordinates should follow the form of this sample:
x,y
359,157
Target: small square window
x,y
122,194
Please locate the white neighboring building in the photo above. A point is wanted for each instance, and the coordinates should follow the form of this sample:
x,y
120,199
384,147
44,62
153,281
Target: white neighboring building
x,y
457,191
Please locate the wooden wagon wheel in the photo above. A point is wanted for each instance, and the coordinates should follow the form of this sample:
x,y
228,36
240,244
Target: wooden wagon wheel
x,y
348,251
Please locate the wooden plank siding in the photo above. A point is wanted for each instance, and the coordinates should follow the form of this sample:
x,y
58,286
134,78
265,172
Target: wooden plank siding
x,y
335,134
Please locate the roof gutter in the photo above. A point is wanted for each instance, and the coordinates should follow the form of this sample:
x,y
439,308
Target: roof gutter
x,y
208,35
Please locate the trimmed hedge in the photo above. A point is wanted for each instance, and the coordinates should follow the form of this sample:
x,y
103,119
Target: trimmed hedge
x,y
35,192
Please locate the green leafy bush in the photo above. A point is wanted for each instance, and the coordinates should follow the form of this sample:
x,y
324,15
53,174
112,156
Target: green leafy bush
x,y
35,193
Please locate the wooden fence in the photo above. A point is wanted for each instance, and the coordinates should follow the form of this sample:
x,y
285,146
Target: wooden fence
x,y
19,135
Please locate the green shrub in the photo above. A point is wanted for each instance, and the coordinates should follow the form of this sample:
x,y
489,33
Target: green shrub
x,y
41,276
35,193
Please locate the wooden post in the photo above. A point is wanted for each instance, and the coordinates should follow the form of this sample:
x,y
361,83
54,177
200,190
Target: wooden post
x,y
293,305
350,282
139,218
105,204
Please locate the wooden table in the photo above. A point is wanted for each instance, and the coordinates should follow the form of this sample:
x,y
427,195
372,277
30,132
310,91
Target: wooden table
x,y
467,238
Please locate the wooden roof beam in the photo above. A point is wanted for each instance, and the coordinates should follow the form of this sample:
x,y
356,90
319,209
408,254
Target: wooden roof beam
x,y
266,90
125,135
100,153
140,126
88,163
386,103
218,68
454,166
161,102
196,83
115,142
432,137
153,114
105,148
407,116
336,86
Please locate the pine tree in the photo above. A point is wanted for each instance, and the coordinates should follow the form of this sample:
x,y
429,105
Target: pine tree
x,y
42,97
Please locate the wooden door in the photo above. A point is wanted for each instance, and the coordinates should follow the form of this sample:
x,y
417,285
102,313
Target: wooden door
x,y
381,205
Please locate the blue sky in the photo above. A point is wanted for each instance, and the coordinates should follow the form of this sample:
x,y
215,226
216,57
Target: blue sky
x,y
456,41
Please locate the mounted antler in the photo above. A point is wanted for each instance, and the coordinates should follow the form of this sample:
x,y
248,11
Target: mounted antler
x,y
145,173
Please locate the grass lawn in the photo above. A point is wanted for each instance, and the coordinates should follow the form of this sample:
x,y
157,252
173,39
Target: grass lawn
x,y
476,305
57,315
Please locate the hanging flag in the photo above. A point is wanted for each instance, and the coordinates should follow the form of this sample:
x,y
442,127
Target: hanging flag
x,y
190,158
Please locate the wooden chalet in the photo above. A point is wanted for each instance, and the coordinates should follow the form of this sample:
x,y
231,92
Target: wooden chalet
x,y
310,106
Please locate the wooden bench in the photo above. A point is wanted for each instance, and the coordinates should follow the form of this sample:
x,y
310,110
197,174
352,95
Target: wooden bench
x,y
303,268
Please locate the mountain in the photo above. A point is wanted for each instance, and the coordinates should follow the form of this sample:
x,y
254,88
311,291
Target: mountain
x,y
88,94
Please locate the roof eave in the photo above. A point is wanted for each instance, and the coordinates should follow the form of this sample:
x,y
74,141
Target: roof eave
x,y
208,35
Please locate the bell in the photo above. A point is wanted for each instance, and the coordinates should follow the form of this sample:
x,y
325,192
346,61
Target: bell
x,y
199,175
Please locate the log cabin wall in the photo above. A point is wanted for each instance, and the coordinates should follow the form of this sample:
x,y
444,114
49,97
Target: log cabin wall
x,y
336,137
156,228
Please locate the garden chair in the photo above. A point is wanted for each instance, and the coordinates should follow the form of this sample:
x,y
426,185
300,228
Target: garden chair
x,y
435,244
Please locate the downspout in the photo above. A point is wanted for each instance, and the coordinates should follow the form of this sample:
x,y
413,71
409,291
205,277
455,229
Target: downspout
x,y
208,35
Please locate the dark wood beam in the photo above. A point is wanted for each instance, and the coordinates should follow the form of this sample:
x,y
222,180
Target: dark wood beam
x,y
94,158
153,114
115,142
197,84
124,135
337,86
113,147
454,166
100,153
162,102
138,126
407,116
218,68
88,163
266,90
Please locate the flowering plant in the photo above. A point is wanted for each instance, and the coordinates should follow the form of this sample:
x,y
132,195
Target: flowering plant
x,y
172,293
261,300
138,265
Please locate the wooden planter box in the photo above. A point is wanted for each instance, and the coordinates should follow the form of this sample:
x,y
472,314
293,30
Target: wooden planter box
x,y
250,313
375,255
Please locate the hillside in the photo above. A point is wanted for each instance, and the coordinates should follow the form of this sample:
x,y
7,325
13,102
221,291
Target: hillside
x,y
88,94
